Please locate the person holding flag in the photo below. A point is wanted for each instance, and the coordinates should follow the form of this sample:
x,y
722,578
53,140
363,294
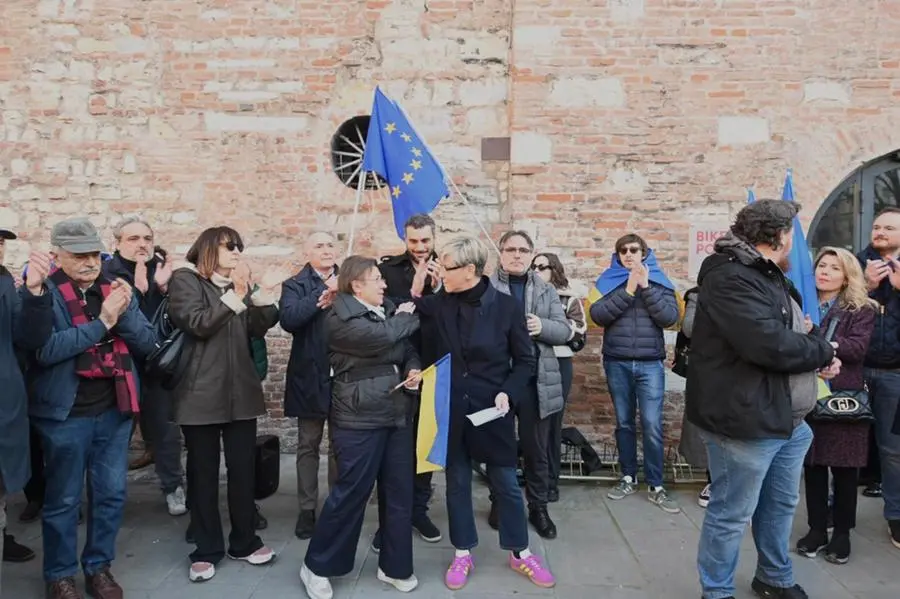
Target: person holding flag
x,y
634,300
492,362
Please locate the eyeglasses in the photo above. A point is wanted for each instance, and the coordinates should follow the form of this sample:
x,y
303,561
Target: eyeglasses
x,y
233,245
541,267
523,251
457,267
630,250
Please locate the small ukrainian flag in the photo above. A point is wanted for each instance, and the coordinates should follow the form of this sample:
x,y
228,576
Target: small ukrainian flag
x,y
434,417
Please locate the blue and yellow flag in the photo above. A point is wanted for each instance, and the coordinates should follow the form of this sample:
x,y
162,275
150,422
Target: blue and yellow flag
x,y
434,417
802,274
617,275
396,152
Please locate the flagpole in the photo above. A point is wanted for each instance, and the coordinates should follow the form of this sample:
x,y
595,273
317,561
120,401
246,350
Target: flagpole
x,y
472,212
359,190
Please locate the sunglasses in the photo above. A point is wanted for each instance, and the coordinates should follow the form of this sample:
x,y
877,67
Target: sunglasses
x,y
233,245
630,250
541,267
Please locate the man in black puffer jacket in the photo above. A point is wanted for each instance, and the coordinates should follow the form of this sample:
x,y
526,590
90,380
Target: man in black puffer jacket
x,y
751,384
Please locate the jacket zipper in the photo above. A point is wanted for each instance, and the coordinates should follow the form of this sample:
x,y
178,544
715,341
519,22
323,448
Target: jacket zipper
x,y
881,326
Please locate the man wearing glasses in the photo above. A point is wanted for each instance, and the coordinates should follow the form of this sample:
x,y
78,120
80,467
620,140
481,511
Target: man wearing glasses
x,y
637,302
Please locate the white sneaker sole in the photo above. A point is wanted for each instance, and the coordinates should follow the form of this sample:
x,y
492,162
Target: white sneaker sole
x,y
404,586
306,577
703,503
202,576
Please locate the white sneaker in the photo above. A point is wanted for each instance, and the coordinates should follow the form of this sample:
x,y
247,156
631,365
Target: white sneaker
x,y
260,557
201,571
176,502
703,498
404,586
317,587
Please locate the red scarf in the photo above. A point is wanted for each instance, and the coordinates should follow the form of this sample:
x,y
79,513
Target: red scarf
x,y
109,359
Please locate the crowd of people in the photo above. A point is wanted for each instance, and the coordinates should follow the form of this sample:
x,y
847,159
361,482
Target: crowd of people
x,y
82,337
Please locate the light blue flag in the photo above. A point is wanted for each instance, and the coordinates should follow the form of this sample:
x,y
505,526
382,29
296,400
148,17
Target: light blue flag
x,y
751,195
393,150
801,273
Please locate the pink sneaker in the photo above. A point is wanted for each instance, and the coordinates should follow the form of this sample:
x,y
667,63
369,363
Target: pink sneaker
x,y
534,569
458,572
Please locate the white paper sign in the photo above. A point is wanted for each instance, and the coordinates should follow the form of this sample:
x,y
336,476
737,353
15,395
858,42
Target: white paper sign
x,y
486,415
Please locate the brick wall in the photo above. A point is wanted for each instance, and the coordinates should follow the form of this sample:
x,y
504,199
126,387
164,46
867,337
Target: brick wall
x,y
642,115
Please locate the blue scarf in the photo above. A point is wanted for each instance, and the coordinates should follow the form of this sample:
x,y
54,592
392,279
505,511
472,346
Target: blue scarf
x,y
617,275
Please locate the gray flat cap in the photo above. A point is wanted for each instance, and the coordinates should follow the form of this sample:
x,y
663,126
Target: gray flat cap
x,y
77,235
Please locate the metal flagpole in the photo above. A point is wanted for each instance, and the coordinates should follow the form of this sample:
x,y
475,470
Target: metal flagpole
x,y
359,190
472,212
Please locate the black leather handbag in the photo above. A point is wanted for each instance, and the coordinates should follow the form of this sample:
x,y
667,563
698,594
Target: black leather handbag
x,y
168,361
844,407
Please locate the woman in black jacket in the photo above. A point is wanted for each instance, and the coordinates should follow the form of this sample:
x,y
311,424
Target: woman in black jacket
x,y
492,362
371,432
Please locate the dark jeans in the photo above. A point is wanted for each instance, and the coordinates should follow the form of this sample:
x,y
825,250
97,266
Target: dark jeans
x,y
554,447
637,384
504,489
364,457
156,420
36,487
239,441
534,437
884,391
98,445
845,494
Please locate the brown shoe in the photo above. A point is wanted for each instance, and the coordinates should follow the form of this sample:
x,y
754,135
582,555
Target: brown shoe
x,y
142,462
102,585
64,588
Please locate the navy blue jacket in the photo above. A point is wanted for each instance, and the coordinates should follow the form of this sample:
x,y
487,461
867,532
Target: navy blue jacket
x,y
633,324
884,348
26,322
118,267
500,357
52,379
307,389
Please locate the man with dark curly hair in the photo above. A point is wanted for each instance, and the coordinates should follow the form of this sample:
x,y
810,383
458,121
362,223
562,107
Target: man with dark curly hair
x,y
752,382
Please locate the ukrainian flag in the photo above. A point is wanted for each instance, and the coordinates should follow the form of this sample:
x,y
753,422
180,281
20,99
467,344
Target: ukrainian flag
x,y
617,275
434,417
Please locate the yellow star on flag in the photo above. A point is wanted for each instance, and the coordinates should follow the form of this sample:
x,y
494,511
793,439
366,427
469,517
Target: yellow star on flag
x,y
416,164
407,178
416,152
396,191
406,137
391,127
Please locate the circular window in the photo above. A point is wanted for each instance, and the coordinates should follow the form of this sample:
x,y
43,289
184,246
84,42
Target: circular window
x,y
347,148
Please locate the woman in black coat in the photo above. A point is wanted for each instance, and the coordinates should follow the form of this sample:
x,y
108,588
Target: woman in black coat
x,y
492,361
371,432
842,447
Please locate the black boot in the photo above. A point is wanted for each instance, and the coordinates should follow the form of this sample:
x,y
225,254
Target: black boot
x,y
873,490
542,523
838,550
306,523
15,553
31,512
769,592
814,542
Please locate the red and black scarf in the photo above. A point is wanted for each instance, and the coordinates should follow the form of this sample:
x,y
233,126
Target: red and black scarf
x,y
109,359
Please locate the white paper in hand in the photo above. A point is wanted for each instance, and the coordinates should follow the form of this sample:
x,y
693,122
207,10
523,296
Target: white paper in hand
x,y
486,415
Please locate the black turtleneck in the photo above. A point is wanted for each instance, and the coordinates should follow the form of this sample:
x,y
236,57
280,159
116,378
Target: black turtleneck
x,y
468,302
517,287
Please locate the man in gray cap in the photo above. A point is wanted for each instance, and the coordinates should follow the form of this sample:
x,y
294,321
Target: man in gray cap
x,y
26,320
84,396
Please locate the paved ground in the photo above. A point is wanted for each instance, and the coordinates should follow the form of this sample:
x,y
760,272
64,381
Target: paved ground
x,y
606,550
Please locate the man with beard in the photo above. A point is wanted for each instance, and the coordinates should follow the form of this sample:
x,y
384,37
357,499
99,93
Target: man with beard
x,y
415,273
26,321
882,363
752,383
305,298
148,270
84,393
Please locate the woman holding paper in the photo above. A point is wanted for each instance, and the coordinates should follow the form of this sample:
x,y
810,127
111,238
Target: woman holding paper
x,y
370,429
492,361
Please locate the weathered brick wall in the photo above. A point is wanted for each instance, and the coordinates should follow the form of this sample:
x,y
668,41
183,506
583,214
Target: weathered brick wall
x,y
639,115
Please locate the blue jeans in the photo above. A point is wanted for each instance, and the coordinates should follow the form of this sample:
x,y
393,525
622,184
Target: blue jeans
x,y
99,446
884,390
633,384
504,490
758,480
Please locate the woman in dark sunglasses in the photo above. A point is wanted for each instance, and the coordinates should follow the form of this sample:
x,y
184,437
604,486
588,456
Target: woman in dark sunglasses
x,y
549,267
219,395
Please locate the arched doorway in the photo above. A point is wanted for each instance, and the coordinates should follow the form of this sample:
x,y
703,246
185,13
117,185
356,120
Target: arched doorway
x,y
845,217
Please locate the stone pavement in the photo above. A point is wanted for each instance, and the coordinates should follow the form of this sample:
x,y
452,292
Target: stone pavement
x,y
605,550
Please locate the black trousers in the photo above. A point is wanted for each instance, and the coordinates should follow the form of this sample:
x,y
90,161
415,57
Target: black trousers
x,y
554,446
845,493
534,436
239,441
37,485
364,457
872,472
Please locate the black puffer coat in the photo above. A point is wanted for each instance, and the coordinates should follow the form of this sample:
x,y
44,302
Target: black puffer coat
x,y
633,324
370,356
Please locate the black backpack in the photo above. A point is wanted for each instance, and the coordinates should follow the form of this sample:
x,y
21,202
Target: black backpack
x,y
683,342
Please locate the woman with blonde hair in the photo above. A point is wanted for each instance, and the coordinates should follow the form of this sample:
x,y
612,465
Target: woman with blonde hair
x,y
841,446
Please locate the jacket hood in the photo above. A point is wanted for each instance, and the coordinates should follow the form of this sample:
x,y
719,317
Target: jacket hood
x,y
730,248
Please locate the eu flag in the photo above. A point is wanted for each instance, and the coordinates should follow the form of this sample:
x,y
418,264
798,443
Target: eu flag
x,y
801,273
398,154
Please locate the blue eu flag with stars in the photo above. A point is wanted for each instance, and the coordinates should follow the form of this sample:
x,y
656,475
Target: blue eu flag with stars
x,y
394,151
